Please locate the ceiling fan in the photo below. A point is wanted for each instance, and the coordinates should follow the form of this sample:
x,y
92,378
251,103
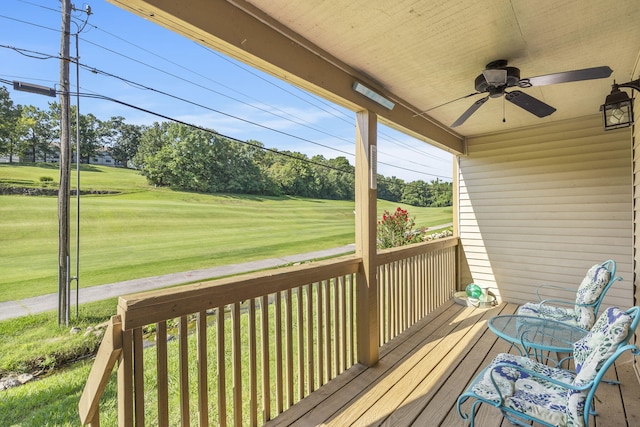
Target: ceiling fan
x,y
498,77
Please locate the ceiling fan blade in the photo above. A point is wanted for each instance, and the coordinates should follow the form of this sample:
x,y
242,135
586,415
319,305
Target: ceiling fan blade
x,y
474,107
446,103
569,76
529,103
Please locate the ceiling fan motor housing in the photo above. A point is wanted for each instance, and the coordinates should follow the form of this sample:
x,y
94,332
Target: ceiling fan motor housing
x,y
496,90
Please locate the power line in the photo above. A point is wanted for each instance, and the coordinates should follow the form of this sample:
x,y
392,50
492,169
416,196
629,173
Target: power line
x,y
343,116
145,87
385,136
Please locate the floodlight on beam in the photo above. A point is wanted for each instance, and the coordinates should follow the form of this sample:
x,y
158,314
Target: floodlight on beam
x,y
29,87
373,95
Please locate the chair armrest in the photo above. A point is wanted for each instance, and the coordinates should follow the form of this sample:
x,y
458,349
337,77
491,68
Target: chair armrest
x,y
557,302
560,288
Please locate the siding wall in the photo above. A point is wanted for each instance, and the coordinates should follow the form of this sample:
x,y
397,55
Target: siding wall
x,y
541,205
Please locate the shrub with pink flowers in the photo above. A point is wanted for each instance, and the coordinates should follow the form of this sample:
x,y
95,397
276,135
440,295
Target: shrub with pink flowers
x,y
396,229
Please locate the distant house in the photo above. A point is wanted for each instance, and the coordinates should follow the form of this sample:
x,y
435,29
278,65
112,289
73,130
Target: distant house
x,y
103,158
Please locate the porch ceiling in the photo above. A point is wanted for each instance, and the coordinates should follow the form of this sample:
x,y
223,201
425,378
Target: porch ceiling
x,y
423,54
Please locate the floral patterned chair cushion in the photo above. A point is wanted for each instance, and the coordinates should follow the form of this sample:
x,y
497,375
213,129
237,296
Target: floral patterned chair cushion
x,y
523,385
581,314
524,393
600,343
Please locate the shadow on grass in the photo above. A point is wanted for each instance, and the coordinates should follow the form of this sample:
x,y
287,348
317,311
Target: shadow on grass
x,y
53,400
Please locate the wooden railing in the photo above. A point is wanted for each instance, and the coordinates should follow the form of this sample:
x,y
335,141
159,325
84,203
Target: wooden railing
x,y
241,350
108,354
413,281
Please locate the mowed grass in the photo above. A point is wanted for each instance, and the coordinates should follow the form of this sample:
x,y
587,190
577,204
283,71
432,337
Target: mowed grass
x,y
144,231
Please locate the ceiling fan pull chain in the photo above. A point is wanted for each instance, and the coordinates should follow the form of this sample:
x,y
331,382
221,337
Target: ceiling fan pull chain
x,y
504,119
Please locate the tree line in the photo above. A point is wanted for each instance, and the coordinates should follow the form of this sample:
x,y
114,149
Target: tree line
x,y
195,159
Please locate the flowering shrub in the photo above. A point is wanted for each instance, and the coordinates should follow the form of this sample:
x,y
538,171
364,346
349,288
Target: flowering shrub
x,y
396,229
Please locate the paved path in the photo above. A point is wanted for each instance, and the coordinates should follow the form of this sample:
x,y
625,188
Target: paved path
x,y
11,309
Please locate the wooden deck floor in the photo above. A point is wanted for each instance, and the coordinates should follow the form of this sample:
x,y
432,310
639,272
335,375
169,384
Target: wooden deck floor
x,y
422,372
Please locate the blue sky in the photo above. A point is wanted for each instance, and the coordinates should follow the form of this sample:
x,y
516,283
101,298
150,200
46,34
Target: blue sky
x,y
207,88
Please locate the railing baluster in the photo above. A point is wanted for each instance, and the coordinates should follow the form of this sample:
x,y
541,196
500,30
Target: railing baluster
x,y
319,329
253,374
300,320
221,365
397,300
266,377
386,317
203,382
422,286
125,381
184,371
162,371
310,351
288,320
336,327
352,317
138,376
327,329
404,279
343,323
278,342
236,357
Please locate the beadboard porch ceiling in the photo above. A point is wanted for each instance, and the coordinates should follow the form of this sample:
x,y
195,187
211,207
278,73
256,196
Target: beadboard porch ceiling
x,y
423,54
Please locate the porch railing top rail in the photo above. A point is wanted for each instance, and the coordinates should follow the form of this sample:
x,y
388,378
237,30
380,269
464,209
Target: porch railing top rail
x,y
145,308
385,256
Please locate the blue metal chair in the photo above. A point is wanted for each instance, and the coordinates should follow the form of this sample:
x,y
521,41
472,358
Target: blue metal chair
x,y
584,310
525,390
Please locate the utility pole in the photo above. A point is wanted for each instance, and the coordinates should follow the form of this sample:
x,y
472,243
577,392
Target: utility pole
x,y
65,169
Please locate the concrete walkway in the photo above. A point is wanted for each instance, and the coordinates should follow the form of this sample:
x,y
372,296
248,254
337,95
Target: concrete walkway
x,y
11,309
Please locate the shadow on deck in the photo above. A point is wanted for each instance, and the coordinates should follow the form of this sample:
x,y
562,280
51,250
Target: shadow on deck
x,y
422,372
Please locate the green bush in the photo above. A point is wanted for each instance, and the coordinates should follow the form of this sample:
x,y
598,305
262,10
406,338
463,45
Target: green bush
x,y
396,229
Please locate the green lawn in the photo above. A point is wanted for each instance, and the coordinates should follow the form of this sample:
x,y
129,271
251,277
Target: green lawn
x,y
145,231
141,231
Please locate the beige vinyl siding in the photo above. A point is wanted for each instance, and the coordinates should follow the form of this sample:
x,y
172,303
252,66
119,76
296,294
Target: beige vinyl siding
x,y
541,205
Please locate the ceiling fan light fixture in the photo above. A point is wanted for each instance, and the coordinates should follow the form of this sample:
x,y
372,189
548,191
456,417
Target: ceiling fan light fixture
x,y
495,77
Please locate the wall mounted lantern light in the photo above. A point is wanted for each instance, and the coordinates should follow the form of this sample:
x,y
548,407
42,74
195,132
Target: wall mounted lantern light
x,y
617,110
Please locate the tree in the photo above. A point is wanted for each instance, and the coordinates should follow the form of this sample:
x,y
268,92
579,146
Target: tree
x,y
122,139
244,173
10,130
293,174
154,153
91,135
390,188
334,178
441,193
39,132
417,193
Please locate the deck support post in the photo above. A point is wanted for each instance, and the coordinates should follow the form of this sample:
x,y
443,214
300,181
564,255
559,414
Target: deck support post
x,y
366,196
